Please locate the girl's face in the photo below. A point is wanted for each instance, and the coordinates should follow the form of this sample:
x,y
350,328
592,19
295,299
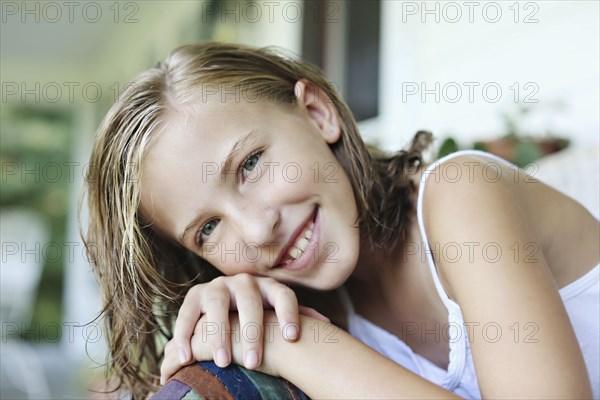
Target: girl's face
x,y
280,206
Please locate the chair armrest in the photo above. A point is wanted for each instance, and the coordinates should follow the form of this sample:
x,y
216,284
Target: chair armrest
x,y
205,380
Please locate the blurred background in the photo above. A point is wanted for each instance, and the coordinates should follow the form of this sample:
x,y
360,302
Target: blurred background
x,y
520,79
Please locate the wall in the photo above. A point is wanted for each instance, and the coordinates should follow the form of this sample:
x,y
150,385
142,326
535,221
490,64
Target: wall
x,y
552,60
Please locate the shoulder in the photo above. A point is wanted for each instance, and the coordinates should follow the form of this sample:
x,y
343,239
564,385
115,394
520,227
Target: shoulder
x,y
474,214
470,191
481,233
468,168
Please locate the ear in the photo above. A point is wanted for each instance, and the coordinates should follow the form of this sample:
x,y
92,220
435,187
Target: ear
x,y
320,108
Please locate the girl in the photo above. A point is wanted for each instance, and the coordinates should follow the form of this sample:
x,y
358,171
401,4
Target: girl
x,y
476,279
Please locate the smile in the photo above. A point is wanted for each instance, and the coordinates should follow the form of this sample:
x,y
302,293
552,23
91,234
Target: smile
x,y
298,254
301,244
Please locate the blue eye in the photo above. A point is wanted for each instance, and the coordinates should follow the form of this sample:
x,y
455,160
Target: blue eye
x,y
207,229
210,227
250,162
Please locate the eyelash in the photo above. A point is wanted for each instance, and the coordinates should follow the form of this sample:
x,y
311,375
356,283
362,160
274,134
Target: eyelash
x,y
248,157
239,172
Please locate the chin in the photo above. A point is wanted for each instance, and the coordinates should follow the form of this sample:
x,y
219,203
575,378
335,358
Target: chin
x,y
339,276
327,286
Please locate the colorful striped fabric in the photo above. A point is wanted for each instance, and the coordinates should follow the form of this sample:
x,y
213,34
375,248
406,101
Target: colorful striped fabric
x,y
204,380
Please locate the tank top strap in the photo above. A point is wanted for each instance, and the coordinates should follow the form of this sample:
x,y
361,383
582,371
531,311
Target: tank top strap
x,y
452,307
459,347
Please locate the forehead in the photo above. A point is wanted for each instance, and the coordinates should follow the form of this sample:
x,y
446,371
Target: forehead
x,y
211,126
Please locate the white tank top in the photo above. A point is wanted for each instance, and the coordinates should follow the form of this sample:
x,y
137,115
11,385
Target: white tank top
x,y
581,299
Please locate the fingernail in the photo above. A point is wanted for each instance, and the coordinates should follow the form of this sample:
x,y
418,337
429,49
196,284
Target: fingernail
x,y
251,359
182,356
162,381
222,358
290,331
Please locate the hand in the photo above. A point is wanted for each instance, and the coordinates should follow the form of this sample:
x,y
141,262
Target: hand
x,y
247,294
326,361
201,350
276,350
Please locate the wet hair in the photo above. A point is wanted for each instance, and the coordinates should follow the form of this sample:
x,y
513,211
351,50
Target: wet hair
x,y
143,278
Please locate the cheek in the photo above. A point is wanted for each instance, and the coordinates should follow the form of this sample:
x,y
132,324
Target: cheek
x,y
231,262
231,268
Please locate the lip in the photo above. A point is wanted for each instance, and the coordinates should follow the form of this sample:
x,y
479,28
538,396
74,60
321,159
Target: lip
x,y
293,240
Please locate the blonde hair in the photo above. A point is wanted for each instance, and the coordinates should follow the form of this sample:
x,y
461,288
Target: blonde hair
x,y
144,278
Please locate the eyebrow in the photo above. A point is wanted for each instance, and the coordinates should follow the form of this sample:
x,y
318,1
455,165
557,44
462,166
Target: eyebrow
x,y
237,147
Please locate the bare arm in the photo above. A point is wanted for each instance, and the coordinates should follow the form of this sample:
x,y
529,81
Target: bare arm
x,y
347,368
326,362
505,291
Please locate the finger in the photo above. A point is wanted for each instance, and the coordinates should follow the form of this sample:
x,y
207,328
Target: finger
x,y
187,317
169,346
216,324
250,310
284,301
169,367
169,350
311,312
201,350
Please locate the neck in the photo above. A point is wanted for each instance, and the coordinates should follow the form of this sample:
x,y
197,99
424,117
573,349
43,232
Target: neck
x,y
397,270
377,264
399,273
373,264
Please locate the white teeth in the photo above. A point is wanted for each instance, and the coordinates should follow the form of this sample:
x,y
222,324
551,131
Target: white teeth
x,y
298,248
308,234
302,243
294,252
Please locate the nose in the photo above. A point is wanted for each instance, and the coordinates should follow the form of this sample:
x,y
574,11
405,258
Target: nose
x,y
257,223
